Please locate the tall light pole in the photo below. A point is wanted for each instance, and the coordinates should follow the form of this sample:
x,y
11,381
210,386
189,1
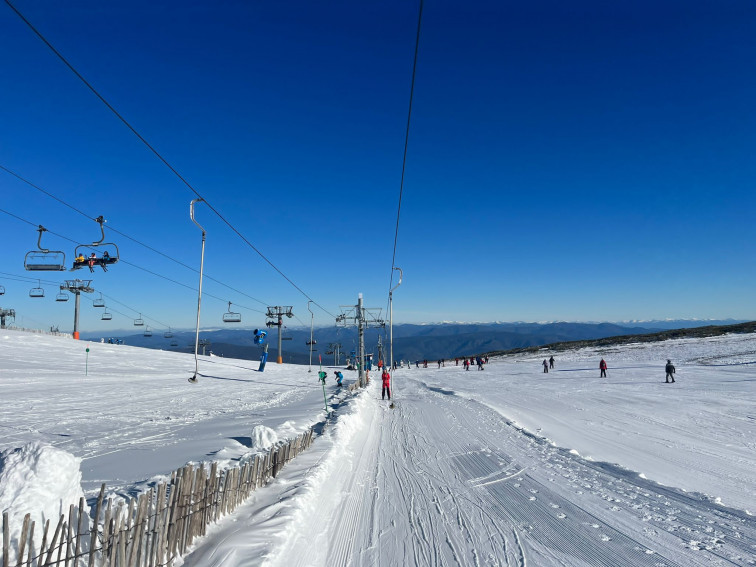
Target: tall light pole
x,y
199,295
312,320
391,319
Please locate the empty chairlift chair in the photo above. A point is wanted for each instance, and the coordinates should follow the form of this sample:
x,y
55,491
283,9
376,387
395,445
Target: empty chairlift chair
x,y
139,322
147,331
37,291
2,290
231,316
106,315
99,302
61,297
44,260
168,334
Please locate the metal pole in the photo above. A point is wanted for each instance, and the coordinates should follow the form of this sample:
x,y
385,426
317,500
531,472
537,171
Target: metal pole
x,y
77,302
199,295
312,319
391,318
361,354
280,324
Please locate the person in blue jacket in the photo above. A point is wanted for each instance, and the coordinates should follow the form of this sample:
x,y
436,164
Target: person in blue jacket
x,y
339,378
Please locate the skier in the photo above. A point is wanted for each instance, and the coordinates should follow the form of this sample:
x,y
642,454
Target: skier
x,y
551,362
339,378
545,366
670,370
386,377
466,364
602,367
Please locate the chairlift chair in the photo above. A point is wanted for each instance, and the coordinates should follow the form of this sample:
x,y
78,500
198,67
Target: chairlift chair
x,y
147,331
139,322
108,257
37,291
168,334
44,260
231,316
106,315
2,290
174,342
99,302
61,297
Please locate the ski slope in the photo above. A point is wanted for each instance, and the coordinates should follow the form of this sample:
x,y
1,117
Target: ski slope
x,y
508,466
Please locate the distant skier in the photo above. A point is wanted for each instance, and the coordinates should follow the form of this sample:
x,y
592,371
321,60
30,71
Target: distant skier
x,y
466,364
339,378
670,370
545,366
602,367
386,378
551,362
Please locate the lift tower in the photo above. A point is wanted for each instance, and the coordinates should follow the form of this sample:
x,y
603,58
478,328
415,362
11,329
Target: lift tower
x,y
10,313
364,318
77,287
275,316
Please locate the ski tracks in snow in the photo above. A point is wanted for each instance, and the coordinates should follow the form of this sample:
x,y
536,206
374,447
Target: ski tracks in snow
x,y
445,480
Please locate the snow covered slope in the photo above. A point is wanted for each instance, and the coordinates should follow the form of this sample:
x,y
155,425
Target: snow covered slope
x,y
508,466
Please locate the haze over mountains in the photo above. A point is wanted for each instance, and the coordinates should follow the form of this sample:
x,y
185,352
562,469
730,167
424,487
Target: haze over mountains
x,y
412,342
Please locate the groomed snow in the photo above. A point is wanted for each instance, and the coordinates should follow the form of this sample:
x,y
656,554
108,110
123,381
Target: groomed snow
x,y
506,466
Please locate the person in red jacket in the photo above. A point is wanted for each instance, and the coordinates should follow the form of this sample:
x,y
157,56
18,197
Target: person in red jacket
x,y
386,377
602,367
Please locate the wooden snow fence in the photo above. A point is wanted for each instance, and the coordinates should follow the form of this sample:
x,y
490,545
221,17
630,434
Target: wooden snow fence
x,y
156,527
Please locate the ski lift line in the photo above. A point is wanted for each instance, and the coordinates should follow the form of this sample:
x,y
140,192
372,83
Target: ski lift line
x,y
156,251
160,157
406,140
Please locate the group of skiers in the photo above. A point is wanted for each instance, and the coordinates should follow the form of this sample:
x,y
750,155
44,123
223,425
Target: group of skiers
x,y
669,369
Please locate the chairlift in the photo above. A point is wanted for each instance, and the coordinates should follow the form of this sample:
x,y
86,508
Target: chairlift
x,y
2,290
168,334
231,316
174,342
37,291
99,302
61,297
139,322
109,254
44,260
106,315
147,331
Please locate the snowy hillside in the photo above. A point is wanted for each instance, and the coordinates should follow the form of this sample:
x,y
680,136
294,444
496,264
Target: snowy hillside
x,y
508,466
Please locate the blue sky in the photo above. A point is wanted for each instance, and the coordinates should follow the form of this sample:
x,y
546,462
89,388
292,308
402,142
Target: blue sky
x,y
586,161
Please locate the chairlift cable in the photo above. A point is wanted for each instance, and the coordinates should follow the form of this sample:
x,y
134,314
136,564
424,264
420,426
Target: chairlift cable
x,y
131,264
159,156
110,227
406,141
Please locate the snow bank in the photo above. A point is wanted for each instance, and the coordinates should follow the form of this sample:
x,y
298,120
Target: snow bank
x,y
38,479
263,438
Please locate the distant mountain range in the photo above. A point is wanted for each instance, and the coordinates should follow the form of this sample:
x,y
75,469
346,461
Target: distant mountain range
x,y
411,341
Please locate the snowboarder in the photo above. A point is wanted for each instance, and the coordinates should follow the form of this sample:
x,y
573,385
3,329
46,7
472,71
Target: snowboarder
x,y
386,377
670,370
545,366
602,367
339,378
551,362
